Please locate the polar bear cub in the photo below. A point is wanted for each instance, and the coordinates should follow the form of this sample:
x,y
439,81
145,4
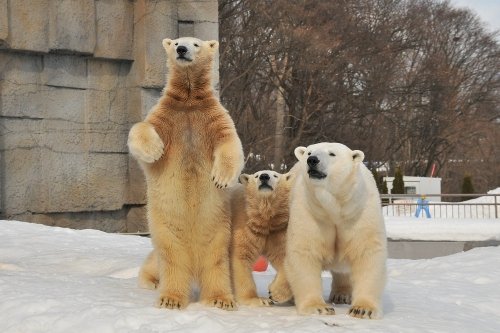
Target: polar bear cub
x,y
260,221
336,224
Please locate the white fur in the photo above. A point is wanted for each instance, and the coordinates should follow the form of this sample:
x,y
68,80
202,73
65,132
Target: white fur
x,y
336,224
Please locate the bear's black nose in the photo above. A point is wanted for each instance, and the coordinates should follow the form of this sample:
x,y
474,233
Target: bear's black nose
x,y
312,161
264,177
181,50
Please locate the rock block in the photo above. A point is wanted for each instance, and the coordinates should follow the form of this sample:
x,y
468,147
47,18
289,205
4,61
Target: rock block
x,y
115,29
136,220
72,26
65,71
43,181
136,184
186,29
27,191
20,68
29,25
198,11
149,98
106,179
21,92
4,22
106,75
114,221
64,104
160,22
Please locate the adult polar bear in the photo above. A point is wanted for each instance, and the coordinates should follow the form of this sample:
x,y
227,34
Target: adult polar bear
x,y
190,152
335,224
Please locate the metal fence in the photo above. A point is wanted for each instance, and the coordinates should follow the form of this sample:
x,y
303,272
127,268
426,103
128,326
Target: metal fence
x,y
475,206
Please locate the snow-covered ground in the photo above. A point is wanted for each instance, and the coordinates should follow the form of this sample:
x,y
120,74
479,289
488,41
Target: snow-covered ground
x,y
410,228
63,280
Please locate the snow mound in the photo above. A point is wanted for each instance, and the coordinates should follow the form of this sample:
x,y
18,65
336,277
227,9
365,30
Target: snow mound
x,y
61,280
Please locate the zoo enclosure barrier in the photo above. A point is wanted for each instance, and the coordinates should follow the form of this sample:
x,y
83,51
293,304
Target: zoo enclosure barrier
x,y
476,206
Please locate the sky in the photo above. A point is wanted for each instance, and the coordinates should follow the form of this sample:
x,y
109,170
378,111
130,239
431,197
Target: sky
x,y
487,10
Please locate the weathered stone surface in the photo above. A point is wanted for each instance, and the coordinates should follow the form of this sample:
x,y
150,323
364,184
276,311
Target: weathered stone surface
x,y
72,26
108,103
20,68
64,104
198,11
136,184
136,220
160,22
186,28
65,71
114,221
107,74
43,181
42,102
68,102
115,29
21,100
106,181
4,22
29,25
25,189
149,99
20,89
206,30
34,101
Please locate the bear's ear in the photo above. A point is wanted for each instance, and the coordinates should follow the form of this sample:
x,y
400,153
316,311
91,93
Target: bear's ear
x,y
244,178
289,176
299,151
166,43
213,44
358,156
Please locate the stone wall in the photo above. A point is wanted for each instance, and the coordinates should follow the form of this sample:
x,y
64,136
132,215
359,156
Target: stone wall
x,y
74,76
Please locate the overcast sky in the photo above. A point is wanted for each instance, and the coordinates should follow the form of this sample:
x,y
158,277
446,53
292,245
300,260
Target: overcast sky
x,y
488,11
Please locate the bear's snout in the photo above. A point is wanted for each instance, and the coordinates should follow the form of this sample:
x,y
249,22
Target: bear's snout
x,y
264,177
181,50
312,161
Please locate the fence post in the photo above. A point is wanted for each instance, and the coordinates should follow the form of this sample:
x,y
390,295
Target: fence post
x,y
496,208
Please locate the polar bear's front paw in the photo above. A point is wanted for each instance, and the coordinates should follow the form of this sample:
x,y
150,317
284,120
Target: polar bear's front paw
x,y
224,303
317,308
340,298
171,302
223,176
144,143
364,311
280,293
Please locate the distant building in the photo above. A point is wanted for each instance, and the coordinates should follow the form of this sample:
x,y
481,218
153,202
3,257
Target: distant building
x,y
419,185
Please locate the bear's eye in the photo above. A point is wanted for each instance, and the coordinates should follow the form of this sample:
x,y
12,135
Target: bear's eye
x,y
256,176
332,154
275,176
176,44
309,153
196,45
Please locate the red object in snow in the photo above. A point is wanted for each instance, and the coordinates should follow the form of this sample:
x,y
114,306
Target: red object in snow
x,y
260,265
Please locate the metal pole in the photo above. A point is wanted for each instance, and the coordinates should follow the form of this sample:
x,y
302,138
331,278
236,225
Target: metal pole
x,y
496,208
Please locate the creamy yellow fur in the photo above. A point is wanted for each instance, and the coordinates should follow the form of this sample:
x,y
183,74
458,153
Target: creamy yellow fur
x,y
260,220
336,224
190,153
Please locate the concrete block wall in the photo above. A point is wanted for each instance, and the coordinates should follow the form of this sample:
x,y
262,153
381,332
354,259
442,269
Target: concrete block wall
x,y
74,76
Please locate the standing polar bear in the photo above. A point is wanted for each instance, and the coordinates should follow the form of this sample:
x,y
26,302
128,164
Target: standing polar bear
x,y
190,152
335,224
